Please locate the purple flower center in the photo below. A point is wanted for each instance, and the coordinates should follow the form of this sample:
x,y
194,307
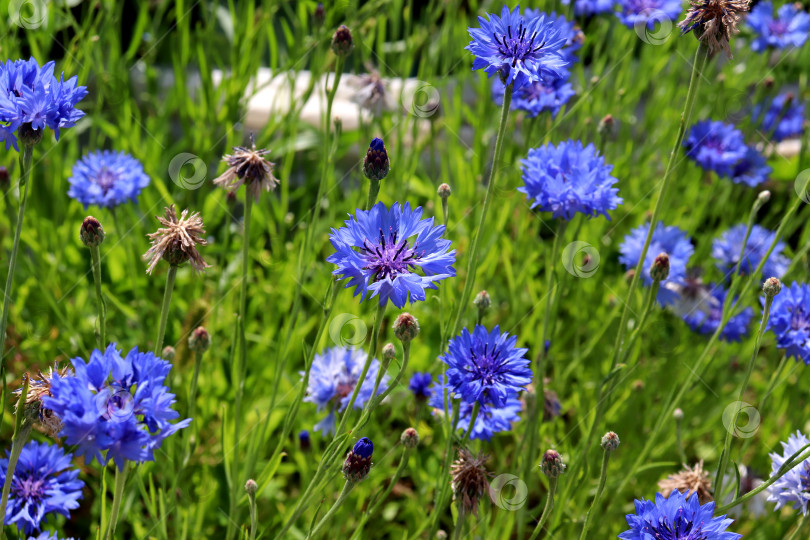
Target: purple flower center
x,y
486,366
29,489
778,27
106,179
390,257
798,319
515,45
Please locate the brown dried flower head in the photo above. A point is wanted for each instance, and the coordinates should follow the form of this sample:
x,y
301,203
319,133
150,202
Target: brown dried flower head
x,y
248,166
39,386
469,479
714,22
690,479
177,240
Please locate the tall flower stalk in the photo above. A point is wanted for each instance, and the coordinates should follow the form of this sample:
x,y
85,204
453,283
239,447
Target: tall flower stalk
x,y
22,430
92,235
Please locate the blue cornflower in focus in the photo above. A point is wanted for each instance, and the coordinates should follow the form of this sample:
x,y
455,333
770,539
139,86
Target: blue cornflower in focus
x,y
670,240
107,179
536,97
486,366
790,320
794,487
789,28
646,13
708,312
715,146
679,516
332,379
420,385
519,49
569,178
44,483
587,8
380,250
114,404
752,169
726,251
783,117
30,94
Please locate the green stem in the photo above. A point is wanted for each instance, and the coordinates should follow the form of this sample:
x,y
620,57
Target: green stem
x,y
347,487
373,191
473,416
253,515
472,263
403,463
458,531
192,393
598,497
441,499
799,526
164,309
118,495
22,429
245,260
548,509
102,307
679,438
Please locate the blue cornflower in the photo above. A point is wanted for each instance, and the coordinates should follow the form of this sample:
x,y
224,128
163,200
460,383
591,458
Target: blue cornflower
x,y
641,13
716,146
794,487
677,517
569,30
670,240
379,251
332,379
569,178
420,385
783,118
536,97
726,251
30,94
107,179
752,169
790,320
114,404
789,28
358,460
486,366
519,49
707,313
45,535
44,483
587,8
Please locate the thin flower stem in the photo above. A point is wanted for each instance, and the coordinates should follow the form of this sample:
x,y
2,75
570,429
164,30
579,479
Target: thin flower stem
x,y
473,416
245,259
445,209
347,487
118,496
597,497
164,310
766,311
472,262
22,429
772,383
192,393
443,493
548,509
253,516
679,438
26,159
377,399
380,498
102,307
373,191
799,526
458,531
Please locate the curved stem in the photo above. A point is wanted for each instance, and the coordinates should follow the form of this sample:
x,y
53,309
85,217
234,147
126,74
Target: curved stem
x,y
118,495
548,509
164,310
347,487
473,416
598,497
102,307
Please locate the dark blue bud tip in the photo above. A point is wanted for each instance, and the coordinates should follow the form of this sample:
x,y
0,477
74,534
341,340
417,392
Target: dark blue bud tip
x,y
303,436
377,145
547,345
363,448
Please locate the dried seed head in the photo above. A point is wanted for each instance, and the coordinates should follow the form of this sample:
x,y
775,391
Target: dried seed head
x,y
714,22
247,166
406,327
469,479
342,42
39,386
552,464
409,438
91,232
690,479
199,341
177,240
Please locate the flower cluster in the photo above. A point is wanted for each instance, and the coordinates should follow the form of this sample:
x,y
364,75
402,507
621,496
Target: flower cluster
x,y
588,8
107,179
677,516
788,28
706,313
646,13
721,148
790,321
333,378
782,117
727,248
379,251
536,97
569,178
31,95
793,488
114,404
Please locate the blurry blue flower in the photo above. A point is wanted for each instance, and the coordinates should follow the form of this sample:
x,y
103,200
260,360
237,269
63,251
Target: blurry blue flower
x,y
794,487
333,377
708,312
536,97
376,253
783,118
587,8
569,178
568,29
726,251
678,517
44,482
486,366
790,320
518,49
107,179
670,240
30,94
641,13
115,404
715,146
789,28
420,385
45,535
752,169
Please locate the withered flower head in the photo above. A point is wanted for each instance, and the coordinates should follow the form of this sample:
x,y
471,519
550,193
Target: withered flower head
x,y
469,479
248,166
690,479
714,22
39,386
177,240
